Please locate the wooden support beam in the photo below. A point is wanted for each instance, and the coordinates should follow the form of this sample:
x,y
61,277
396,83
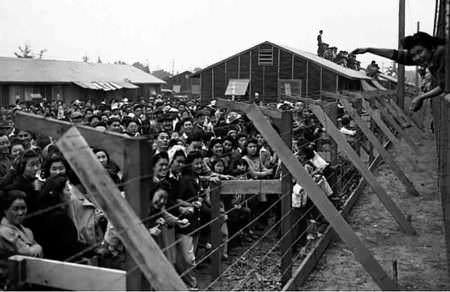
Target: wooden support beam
x,y
387,157
69,276
233,187
132,232
405,116
386,131
398,128
110,141
238,106
310,262
318,197
286,206
394,113
359,164
216,233
138,179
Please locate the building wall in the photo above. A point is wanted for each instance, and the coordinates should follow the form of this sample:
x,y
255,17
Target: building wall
x,y
181,80
264,79
70,92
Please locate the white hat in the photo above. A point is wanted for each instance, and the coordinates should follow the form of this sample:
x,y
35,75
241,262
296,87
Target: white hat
x,y
171,152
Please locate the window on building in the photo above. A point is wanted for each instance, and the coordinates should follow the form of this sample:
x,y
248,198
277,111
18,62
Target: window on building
x,y
237,87
289,88
265,56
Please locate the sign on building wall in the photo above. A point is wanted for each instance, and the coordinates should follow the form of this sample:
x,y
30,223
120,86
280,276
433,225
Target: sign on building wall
x,y
176,88
237,87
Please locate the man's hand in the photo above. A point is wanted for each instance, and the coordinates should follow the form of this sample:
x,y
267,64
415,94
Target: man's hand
x,y
416,104
155,231
183,223
360,51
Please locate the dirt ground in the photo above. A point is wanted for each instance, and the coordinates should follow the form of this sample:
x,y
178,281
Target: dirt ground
x,y
421,258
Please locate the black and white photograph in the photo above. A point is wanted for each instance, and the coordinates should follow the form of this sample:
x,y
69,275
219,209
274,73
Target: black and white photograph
x,y
224,145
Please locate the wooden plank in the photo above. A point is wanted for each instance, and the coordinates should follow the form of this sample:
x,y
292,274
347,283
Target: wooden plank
x,y
405,116
110,141
132,232
386,131
138,178
237,106
397,145
359,164
286,206
310,262
330,213
233,187
216,234
387,157
404,122
70,276
398,128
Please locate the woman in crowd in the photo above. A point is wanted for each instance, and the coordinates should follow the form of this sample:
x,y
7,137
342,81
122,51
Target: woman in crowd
x,y
14,237
111,167
56,231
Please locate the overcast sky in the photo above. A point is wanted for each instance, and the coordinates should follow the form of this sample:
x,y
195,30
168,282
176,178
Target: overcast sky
x,y
197,33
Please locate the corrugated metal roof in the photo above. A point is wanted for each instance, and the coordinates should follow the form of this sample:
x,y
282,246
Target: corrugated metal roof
x,y
366,86
55,71
347,72
378,85
393,79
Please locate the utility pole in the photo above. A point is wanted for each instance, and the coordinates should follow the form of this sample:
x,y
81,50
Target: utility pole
x,y
417,67
173,67
401,68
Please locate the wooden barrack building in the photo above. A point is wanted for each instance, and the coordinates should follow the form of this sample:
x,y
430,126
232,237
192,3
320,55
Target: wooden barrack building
x,y
274,71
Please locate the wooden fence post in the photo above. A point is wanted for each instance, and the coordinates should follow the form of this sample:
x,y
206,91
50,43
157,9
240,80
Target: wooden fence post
x,y
137,178
286,203
132,232
216,234
387,157
370,178
319,199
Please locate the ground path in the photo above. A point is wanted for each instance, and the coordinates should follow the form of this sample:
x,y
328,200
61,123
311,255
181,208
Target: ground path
x,y
421,258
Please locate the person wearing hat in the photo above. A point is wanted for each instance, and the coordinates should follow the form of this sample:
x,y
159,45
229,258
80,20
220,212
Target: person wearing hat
x,y
76,117
420,49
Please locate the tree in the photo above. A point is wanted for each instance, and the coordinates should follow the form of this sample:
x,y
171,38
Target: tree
x,y
25,52
41,53
120,62
162,74
99,60
85,59
197,69
141,66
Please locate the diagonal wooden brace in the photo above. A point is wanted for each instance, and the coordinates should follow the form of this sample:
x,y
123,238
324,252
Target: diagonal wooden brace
x,y
328,210
387,157
390,205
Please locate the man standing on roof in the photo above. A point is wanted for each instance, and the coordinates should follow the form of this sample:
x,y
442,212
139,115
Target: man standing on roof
x,y
420,49
373,70
320,49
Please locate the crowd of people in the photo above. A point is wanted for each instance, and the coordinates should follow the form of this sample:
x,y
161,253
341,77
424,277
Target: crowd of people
x,y
48,212
331,53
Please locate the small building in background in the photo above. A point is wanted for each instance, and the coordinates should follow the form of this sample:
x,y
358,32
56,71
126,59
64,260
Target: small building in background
x,y
182,84
273,72
28,79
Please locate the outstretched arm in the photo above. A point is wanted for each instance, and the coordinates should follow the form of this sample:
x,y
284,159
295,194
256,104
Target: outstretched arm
x,y
387,53
401,57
